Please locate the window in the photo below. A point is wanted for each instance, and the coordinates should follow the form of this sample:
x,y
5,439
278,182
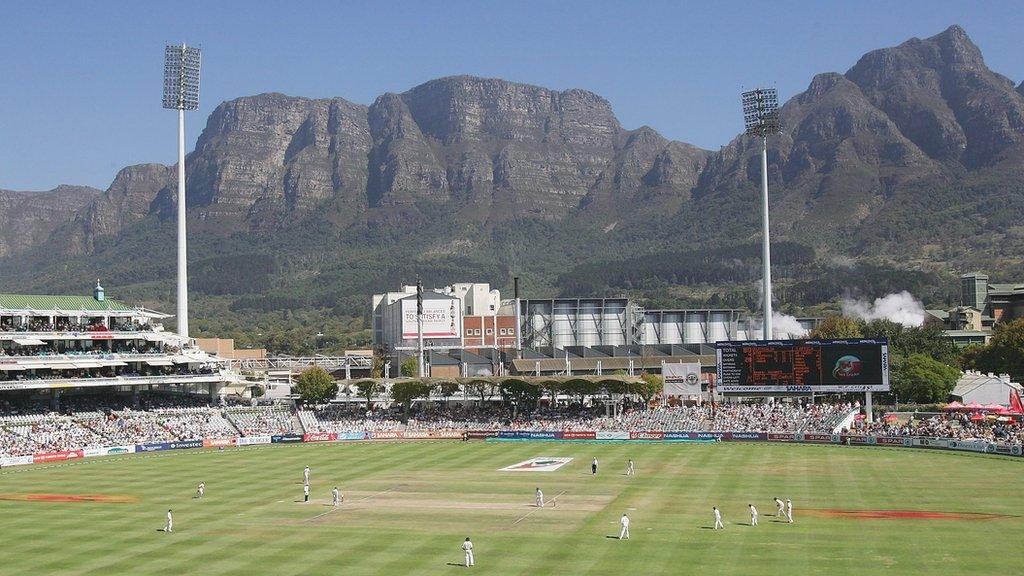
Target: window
x,y
476,332
490,332
502,332
469,331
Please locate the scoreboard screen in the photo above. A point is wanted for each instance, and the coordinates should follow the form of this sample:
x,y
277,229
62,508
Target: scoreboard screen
x,y
803,366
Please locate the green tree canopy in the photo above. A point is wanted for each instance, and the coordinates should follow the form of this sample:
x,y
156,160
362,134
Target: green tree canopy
x,y
837,326
922,379
523,394
406,391
652,385
367,389
316,386
410,367
1004,354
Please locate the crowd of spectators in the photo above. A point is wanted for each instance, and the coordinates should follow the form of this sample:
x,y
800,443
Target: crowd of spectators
x,y
65,324
261,421
960,426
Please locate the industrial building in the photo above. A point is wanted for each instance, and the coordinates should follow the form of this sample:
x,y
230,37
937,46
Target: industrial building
x,y
982,306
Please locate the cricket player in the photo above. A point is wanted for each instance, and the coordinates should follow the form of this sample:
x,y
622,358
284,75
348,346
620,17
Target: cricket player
x,y
335,495
169,527
779,508
718,519
201,490
593,466
305,475
629,469
753,515
305,492
789,510
540,498
624,533
467,547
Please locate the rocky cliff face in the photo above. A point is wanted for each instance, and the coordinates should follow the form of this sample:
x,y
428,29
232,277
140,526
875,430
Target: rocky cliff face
x,y
28,218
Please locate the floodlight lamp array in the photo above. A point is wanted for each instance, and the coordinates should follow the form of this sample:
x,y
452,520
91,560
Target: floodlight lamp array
x,y
181,77
761,111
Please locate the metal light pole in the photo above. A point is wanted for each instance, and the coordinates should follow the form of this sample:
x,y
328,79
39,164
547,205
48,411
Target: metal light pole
x,y
181,92
420,368
761,118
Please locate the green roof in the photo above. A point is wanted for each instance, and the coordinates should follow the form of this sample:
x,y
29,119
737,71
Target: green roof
x,y
69,303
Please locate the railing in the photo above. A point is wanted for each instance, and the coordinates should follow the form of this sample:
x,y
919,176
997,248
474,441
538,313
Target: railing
x,y
329,363
41,383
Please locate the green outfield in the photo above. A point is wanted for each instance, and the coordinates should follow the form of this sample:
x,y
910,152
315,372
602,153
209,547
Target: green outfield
x,y
408,506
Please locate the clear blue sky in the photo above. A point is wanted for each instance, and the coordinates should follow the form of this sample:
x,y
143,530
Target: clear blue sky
x,y
81,81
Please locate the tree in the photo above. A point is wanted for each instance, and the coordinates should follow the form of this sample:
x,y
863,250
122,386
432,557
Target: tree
x,y
406,391
377,371
1004,354
652,385
481,388
837,327
922,379
447,389
316,386
367,389
410,367
520,393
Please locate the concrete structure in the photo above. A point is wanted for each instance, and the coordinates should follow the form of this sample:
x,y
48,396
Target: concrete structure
x,y
225,348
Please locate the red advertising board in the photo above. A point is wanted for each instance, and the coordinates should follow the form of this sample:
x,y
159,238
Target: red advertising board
x,y
57,456
218,442
781,436
648,435
320,437
817,437
581,435
889,440
446,434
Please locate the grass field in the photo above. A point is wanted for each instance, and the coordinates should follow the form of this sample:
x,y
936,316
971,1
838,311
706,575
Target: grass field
x,y
408,506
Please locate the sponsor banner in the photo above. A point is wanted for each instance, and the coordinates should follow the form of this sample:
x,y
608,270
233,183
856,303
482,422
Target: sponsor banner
x,y
893,441
218,442
647,435
352,436
387,435
416,435
680,436
850,439
152,447
538,464
513,434
1001,448
710,435
1016,450
182,444
820,438
481,434
446,434
746,436
781,436
15,461
601,435
681,379
969,445
285,438
442,318
931,442
109,450
250,440
578,435
320,437
57,456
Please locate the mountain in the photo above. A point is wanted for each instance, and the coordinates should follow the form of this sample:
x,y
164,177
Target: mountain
x,y
299,208
28,218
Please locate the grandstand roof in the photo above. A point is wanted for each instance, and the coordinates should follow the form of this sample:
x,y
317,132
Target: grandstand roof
x,y
66,303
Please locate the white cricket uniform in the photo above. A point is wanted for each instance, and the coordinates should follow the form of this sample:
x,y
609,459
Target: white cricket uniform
x,y
202,490
467,546
779,505
789,510
629,470
718,520
335,495
305,475
305,493
170,523
753,516
624,533
540,499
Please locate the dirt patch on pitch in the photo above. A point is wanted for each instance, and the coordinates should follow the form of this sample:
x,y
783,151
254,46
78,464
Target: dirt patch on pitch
x,y
901,514
97,498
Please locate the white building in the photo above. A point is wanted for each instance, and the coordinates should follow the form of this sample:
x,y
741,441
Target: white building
x,y
473,299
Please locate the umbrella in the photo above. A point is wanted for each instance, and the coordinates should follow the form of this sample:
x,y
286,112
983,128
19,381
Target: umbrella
x,y
993,407
973,406
954,405
977,418
891,418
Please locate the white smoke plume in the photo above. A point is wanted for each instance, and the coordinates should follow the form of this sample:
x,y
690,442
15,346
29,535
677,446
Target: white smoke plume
x,y
786,326
901,308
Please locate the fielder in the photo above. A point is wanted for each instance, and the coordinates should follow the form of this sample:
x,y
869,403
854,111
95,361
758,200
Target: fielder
x,y
201,490
336,496
753,515
305,475
305,492
624,533
593,466
779,508
169,527
467,546
789,510
629,469
539,498
718,519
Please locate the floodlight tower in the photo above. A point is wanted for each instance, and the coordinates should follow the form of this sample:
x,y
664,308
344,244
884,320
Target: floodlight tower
x,y
181,92
761,118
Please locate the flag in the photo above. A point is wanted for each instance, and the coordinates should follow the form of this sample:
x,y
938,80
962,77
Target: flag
x,y
1016,406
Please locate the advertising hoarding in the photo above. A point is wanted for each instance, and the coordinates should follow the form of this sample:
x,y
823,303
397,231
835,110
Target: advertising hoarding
x,y
442,318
